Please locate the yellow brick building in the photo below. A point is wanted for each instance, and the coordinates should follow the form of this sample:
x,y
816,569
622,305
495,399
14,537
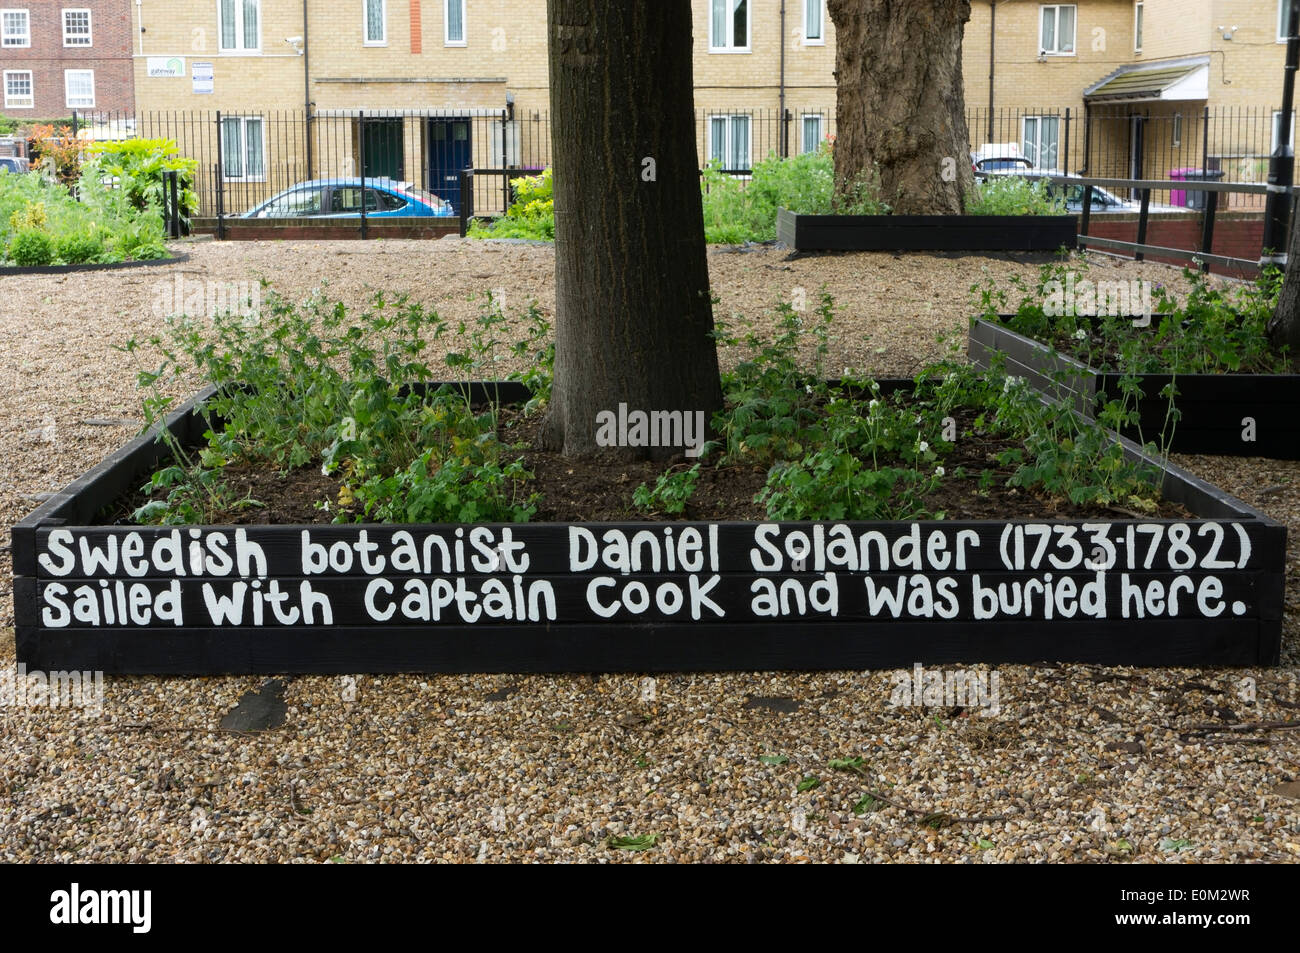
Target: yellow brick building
x,y
1150,86
447,83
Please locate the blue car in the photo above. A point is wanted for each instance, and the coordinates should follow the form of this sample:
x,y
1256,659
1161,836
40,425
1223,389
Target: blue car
x,y
341,198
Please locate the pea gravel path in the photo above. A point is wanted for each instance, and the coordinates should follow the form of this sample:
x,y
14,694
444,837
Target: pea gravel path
x,y
1081,763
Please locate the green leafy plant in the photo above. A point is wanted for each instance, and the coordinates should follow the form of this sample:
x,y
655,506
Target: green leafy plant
x,y
735,209
671,492
99,224
137,168
1213,329
31,247
80,247
1013,195
531,214
322,386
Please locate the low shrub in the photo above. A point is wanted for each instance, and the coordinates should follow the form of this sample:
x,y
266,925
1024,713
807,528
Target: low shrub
x,y
1013,195
102,226
31,248
532,214
80,247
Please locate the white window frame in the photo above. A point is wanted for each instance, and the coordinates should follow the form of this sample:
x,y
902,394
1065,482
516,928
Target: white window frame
x,y
67,90
1036,155
1282,7
365,23
75,38
25,37
1139,17
446,24
728,144
820,38
243,149
728,44
1056,9
31,85
241,47
803,131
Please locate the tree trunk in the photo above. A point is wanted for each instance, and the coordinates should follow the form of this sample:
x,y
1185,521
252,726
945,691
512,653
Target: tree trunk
x,y
633,312
1284,326
900,109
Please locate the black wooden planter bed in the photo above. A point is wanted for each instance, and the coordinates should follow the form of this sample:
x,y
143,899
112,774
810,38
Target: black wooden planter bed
x,y
1220,412
1202,592
926,232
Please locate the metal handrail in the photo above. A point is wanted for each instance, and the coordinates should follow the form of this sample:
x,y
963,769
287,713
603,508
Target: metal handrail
x,y
1182,185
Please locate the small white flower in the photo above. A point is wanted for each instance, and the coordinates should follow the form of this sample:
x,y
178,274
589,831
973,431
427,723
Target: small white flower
x,y
873,405
923,447
938,471
808,388
1081,334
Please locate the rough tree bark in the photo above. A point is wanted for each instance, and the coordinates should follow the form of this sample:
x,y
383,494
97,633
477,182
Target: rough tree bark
x,y
900,109
1284,326
633,311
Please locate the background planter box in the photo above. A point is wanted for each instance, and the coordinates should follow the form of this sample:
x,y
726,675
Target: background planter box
x,y
112,266
1216,408
926,232
338,599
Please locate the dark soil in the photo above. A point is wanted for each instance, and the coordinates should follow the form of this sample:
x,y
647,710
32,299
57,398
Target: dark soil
x,y
595,490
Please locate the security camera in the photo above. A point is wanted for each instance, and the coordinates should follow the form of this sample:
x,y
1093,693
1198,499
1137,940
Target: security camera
x,y
293,40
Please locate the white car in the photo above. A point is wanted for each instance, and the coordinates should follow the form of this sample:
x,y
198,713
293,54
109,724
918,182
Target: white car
x,y
999,158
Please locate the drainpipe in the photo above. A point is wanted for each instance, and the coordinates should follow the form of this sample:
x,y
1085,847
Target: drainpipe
x,y
1282,162
785,131
993,22
139,13
306,89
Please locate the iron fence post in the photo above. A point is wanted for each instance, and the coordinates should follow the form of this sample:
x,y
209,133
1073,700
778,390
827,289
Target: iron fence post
x,y
1207,227
361,166
217,181
1065,153
1143,213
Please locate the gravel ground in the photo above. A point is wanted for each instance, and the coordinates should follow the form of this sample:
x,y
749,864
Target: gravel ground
x,y
1080,763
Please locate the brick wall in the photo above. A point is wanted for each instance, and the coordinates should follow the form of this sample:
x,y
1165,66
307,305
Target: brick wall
x,y
1236,235
109,56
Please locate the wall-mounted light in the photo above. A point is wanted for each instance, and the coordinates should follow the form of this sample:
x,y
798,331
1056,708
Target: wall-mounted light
x,y
1228,31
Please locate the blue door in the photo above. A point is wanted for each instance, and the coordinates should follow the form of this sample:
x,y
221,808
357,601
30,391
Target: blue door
x,y
450,151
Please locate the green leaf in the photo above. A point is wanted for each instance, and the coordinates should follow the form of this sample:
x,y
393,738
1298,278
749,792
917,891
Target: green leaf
x,y
866,804
846,764
808,783
773,759
633,843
